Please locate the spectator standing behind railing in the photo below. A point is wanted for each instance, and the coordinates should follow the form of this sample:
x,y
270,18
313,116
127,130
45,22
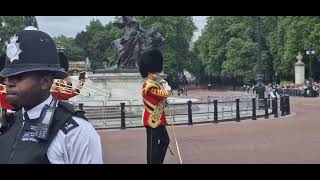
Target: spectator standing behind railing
x,y
304,89
315,90
274,93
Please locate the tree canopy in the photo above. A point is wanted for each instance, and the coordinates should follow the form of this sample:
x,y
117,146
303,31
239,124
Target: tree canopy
x,y
228,44
227,47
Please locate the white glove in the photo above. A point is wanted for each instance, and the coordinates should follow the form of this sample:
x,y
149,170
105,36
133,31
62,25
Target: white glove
x,y
165,85
162,81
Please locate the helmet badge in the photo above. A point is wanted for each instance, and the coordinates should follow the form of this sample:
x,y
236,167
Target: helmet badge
x,y
13,49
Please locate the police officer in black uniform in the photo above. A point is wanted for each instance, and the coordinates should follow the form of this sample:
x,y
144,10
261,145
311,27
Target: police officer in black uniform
x,y
45,130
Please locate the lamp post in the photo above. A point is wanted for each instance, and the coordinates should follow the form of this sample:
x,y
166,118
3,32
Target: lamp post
x,y
260,87
310,52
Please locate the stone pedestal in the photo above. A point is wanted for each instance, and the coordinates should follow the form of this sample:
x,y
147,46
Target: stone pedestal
x,y
299,70
123,86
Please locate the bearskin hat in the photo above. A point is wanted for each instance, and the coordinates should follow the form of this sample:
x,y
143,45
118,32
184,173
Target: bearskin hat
x,y
63,60
151,61
2,61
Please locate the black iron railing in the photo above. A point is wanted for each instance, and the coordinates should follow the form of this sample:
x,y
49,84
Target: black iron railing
x,y
130,116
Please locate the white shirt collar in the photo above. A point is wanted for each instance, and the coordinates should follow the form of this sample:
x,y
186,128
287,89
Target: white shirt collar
x,y
35,112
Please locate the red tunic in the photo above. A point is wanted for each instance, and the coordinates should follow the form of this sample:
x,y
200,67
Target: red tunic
x,y
4,102
3,98
153,94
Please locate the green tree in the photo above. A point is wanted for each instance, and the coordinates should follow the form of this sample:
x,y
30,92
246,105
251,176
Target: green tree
x,y
292,35
225,39
226,44
96,41
8,26
72,51
84,37
240,60
195,65
12,24
178,32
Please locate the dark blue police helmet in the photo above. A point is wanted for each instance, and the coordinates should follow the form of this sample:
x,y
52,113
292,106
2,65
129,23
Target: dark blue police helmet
x,y
32,50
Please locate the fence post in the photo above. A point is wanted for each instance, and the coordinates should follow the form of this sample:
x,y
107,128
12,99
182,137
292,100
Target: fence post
x,y
287,105
282,105
275,107
266,112
237,110
123,121
209,108
215,114
254,114
81,106
269,99
189,113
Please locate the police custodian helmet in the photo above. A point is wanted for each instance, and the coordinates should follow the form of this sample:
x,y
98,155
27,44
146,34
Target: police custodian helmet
x,y
32,50
151,61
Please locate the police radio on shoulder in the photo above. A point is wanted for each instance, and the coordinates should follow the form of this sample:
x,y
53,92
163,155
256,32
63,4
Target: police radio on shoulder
x,y
46,117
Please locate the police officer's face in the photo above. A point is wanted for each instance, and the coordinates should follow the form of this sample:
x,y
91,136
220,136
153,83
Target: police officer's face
x,y
27,89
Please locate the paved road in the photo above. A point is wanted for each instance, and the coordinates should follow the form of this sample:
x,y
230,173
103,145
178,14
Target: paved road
x,y
290,139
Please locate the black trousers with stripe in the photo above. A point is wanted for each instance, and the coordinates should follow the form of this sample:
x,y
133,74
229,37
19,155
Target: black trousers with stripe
x,y
157,144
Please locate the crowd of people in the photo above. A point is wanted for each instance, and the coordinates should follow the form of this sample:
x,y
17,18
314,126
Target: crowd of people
x,y
307,89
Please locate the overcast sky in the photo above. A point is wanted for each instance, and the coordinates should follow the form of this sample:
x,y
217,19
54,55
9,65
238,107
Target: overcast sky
x,y
71,25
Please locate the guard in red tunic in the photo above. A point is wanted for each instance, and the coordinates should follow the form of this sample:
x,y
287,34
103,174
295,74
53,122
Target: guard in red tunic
x,y
154,93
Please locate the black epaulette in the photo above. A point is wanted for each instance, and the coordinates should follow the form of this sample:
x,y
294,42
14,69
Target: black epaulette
x,y
69,125
69,107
